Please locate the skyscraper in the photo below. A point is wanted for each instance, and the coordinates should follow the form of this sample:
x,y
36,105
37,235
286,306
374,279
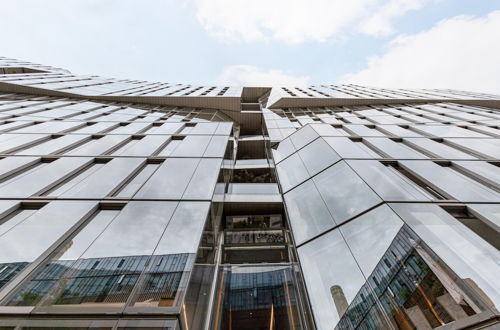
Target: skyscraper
x,y
129,204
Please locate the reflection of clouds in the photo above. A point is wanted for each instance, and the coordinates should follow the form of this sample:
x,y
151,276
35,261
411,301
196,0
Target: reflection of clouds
x,y
463,251
135,231
84,238
100,183
308,213
370,235
344,192
29,239
326,262
183,233
140,225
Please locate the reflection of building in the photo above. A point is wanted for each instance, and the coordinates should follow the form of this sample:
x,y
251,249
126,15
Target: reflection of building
x,y
339,299
265,179
409,291
251,294
107,281
8,271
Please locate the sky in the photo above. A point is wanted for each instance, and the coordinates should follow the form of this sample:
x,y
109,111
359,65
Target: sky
x,y
385,43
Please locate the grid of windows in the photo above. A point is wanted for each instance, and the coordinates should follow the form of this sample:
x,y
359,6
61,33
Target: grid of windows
x,y
133,205
370,193
103,205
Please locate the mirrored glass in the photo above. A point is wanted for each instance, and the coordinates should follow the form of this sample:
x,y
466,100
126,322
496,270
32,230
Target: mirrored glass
x,y
332,277
202,184
317,156
386,182
303,136
307,212
106,273
42,178
105,180
346,148
291,172
170,180
474,260
344,192
450,182
22,244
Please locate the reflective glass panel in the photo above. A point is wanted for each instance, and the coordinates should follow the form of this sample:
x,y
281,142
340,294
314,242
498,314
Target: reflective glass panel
x,y
344,192
307,212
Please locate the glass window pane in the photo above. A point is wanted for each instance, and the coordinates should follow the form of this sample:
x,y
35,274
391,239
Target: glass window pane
x,y
22,244
437,149
224,128
450,182
43,282
203,129
100,146
346,148
489,148
386,183
344,192
108,270
369,236
317,156
394,149
12,142
166,278
170,180
332,277
51,127
398,131
14,219
55,146
132,128
285,149
203,182
105,180
191,146
146,146
447,131
488,212
97,128
167,128
362,130
183,233
291,172
10,165
303,136
307,212
327,130
137,181
473,259
42,178
486,171
216,147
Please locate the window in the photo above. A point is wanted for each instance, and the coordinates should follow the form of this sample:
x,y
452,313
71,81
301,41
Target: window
x,y
386,182
317,156
291,172
344,192
307,212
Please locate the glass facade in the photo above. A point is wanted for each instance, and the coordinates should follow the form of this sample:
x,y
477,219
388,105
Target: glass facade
x,y
139,205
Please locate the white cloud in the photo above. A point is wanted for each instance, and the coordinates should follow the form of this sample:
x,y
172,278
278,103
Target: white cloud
x,y
297,21
460,53
248,75
379,23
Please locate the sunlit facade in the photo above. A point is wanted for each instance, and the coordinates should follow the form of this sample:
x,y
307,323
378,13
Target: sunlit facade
x,y
129,204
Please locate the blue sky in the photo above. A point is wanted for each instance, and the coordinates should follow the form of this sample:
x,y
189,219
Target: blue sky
x,y
388,43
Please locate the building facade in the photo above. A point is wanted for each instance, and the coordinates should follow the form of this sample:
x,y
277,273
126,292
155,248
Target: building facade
x,y
142,205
